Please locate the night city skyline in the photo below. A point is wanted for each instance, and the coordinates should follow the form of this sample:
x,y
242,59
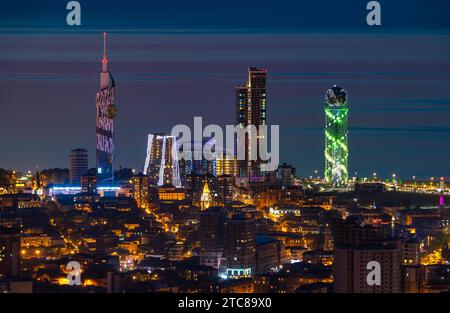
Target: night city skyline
x,y
396,80
190,151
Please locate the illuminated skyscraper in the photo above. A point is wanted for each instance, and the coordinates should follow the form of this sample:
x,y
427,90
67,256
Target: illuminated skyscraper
x,y
251,110
160,166
336,136
106,112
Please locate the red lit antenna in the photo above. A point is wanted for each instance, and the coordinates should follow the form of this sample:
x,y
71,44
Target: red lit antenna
x,y
104,58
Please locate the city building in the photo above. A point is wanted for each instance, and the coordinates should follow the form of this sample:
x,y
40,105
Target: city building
x,y
285,175
9,253
89,184
195,185
268,254
240,246
350,232
336,137
198,164
251,108
160,166
78,165
169,193
141,190
106,112
224,189
411,252
351,269
212,224
226,165
355,246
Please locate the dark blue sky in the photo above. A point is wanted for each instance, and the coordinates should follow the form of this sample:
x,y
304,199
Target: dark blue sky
x,y
173,60
212,14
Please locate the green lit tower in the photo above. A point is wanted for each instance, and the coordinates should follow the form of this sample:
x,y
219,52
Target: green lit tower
x,y
336,136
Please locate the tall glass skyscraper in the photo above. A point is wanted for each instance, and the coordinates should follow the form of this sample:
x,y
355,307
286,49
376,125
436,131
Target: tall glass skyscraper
x,y
106,112
251,110
336,136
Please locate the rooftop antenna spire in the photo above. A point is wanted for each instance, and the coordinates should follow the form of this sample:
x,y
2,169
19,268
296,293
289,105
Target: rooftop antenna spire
x,y
104,43
104,58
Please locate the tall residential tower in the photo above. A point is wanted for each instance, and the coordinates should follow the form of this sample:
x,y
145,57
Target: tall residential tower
x,y
240,246
160,166
336,136
78,164
251,110
106,112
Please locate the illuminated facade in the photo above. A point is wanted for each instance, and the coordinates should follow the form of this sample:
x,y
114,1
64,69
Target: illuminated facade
x,y
195,185
226,165
106,112
251,110
171,194
160,166
141,191
336,136
206,197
